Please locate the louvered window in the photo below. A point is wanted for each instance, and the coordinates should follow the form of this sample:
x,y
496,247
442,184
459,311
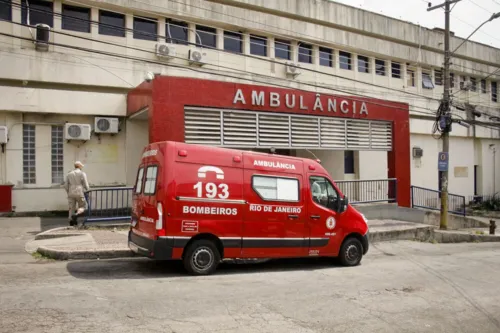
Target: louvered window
x,y
240,129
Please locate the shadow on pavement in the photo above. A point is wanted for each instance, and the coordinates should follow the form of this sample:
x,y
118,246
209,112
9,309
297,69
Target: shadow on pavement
x,y
47,223
143,268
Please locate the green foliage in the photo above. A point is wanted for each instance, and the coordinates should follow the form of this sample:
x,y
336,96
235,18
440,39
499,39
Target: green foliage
x,y
490,204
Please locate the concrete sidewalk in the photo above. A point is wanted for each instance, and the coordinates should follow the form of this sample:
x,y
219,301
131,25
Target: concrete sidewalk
x,y
70,243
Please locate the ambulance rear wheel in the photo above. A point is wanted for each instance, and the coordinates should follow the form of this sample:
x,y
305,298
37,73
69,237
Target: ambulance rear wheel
x,y
351,252
201,257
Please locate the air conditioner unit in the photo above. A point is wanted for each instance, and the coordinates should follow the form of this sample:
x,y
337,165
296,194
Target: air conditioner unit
x,y
4,133
106,125
292,69
164,50
418,152
197,57
79,132
42,37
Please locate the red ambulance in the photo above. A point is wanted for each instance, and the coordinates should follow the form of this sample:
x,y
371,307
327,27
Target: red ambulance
x,y
202,204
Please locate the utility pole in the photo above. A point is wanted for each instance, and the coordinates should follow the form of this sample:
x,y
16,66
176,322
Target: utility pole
x,y
445,121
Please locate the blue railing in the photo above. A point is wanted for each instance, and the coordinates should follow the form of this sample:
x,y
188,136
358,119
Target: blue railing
x,y
431,199
109,204
369,191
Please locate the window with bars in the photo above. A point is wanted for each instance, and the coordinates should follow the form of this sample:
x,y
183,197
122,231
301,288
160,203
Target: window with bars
x,y
462,82
29,154
282,49
325,57
396,70
438,77
494,92
258,45
452,80
363,64
345,60
176,32
145,28
206,36
473,84
39,12
57,155
305,53
410,77
6,10
483,86
75,18
233,42
111,24
380,67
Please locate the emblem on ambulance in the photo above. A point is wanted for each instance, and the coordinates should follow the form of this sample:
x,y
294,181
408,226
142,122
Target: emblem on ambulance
x,y
330,223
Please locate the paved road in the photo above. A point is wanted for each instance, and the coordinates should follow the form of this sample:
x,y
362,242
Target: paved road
x,y
400,287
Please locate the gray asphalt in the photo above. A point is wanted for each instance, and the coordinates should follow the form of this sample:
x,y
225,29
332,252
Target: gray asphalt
x,y
400,287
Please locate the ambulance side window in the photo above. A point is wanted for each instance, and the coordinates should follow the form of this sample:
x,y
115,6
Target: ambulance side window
x,y
138,182
322,191
150,182
271,188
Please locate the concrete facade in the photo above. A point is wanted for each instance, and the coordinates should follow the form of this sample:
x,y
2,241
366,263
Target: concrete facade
x,y
88,74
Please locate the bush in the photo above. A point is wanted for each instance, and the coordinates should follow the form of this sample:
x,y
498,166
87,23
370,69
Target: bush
x,y
491,203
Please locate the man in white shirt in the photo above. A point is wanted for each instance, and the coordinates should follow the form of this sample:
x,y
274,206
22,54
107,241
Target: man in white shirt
x,y
76,185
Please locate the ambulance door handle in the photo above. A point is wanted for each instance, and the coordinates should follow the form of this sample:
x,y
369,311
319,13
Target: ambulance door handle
x,y
293,217
315,217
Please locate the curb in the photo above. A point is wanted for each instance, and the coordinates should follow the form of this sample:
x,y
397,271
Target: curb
x,y
49,234
84,254
419,233
442,236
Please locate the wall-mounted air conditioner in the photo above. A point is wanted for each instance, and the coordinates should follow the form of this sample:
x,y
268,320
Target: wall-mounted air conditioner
x,y
292,69
42,36
4,134
80,132
165,51
418,152
106,125
196,57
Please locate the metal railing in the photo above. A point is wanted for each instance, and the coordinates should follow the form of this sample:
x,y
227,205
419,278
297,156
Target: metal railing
x,y
431,199
109,204
369,191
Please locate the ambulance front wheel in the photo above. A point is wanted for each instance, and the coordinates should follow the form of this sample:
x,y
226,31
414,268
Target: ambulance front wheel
x,y
201,257
351,252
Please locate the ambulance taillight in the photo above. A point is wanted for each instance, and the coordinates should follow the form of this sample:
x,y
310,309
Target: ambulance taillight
x,y
159,222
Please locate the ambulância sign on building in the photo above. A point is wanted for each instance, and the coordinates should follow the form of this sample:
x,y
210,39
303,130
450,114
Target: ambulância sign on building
x,y
292,101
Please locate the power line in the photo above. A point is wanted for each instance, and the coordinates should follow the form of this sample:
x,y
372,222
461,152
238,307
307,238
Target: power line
x,y
479,6
369,101
245,55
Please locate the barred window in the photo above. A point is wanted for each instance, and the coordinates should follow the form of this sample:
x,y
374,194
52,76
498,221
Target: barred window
x,y
345,60
363,64
325,57
29,154
57,156
380,67
396,70
438,77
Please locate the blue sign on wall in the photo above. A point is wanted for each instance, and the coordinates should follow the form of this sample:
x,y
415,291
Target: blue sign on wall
x,y
443,161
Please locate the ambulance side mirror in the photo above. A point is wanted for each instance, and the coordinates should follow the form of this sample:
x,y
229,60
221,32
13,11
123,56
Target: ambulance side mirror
x,y
342,204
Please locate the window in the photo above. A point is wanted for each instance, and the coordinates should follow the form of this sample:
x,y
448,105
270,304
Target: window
x,y
462,82
345,60
438,77
29,154
57,154
177,32
427,80
322,191
233,42
75,18
111,24
6,10
396,70
150,183
380,67
494,92
473,84
452,80
206,36
305,53
483,86
258,45
282,49
275,188
348,162
40,12
145,28
410,78
363,64
138,181
325,57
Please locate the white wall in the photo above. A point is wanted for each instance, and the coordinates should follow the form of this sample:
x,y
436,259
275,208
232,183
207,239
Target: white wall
x,y
331,160
137,136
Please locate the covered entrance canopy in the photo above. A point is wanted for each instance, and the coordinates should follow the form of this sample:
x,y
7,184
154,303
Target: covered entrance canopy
x,y
249,116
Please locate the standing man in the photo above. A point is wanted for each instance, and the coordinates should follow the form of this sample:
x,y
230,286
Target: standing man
x,y
76,185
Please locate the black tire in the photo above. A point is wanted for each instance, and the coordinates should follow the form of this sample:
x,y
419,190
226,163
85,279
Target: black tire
x,y
351,252
201,257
